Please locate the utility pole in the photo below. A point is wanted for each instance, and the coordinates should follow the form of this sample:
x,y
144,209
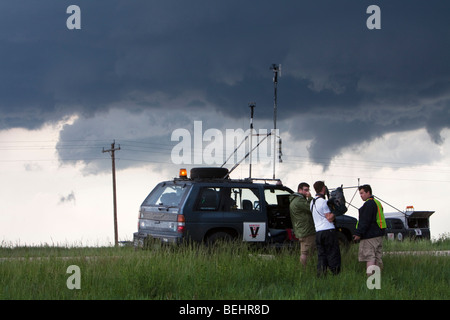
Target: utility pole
x,y
111,152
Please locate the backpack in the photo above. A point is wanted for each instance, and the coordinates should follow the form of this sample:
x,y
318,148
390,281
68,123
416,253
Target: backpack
x,y
336,202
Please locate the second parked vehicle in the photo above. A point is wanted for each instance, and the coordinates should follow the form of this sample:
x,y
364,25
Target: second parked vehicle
x,y
410,224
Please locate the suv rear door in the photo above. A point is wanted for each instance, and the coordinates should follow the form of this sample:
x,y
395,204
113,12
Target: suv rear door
x,y
159,213
203,211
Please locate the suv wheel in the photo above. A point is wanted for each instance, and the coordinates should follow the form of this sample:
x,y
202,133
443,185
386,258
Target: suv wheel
x,y
219,236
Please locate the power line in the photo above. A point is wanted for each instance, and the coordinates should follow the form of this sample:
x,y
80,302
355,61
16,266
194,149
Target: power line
x,y
80,151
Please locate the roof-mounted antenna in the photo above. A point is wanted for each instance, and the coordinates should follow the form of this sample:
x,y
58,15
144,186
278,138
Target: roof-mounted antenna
x,y
252,106
276,68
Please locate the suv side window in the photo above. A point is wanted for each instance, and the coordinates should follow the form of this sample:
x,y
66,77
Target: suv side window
x,y
209,199
230,199
275,196
243,199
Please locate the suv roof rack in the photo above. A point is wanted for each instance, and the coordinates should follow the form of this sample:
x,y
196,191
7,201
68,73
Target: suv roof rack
x,y
218,175
277,181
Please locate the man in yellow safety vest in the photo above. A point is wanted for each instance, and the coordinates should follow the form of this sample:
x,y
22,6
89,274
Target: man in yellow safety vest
x,y
370,229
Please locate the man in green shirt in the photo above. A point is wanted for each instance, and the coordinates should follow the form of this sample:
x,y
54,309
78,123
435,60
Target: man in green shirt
x,y
302,221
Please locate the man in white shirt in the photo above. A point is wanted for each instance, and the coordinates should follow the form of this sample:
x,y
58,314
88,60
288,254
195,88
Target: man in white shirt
x,y
326,238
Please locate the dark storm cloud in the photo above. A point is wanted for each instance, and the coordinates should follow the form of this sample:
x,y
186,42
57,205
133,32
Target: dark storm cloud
x,y
216,54
330,136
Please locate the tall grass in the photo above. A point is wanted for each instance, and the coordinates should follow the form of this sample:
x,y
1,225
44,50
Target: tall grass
x,y
227,271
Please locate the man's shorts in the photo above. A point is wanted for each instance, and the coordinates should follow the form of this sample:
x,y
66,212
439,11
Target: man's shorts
x,y
307,244
371,250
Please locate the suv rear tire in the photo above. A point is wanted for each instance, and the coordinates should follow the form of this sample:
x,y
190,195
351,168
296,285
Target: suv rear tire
x,y
219,236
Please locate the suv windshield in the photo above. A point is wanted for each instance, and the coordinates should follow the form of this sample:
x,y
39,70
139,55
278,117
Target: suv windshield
x,y
165,195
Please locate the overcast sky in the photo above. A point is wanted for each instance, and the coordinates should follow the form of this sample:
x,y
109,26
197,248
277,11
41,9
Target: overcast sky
x,y
138,70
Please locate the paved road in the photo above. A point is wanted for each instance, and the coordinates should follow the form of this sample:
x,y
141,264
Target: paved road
x,y
419,253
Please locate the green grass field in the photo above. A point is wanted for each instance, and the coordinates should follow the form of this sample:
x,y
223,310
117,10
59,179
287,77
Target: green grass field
x,y
231,271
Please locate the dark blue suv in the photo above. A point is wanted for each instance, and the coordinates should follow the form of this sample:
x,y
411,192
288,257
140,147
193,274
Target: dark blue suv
x,y
209,206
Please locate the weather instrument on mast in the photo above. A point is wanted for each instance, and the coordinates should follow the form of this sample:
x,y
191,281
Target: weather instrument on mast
x,y
276,68
277,72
